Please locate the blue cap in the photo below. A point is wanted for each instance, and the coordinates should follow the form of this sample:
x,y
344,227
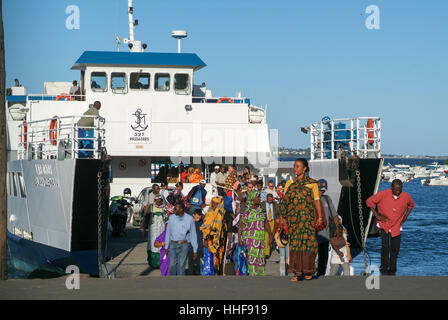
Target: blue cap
x,y
323,184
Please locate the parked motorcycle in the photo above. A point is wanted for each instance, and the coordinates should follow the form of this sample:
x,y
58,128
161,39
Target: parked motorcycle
x,y
119,209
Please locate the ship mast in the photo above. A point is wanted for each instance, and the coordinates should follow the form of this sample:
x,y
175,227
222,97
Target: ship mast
x,y
134,45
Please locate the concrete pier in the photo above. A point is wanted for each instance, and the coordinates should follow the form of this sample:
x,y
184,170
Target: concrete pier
x,y
134,279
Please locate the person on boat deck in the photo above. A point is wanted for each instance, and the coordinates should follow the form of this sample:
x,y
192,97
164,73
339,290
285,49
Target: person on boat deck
x,y
155,192
213,176
391,208
194,264
230,180
85,130
17,83
75,91
221,181
164,192
272,213
340,251
156,216
323,236
196,177
180,234
298,208
271,190
196,197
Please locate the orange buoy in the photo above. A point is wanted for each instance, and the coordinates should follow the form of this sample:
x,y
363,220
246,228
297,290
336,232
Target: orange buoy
x,y
54,126
64,96
24,136
370,131
229,100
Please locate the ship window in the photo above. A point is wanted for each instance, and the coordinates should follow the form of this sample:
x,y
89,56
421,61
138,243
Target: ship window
x,y
118,81
8,183
98,81
181,83
14,184
162,82
139,80
21,185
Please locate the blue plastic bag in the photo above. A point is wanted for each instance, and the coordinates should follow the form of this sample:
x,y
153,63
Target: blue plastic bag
x,y
207,268
242,261
228,204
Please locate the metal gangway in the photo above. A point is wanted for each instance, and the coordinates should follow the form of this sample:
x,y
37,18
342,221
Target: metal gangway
x,y
339,138
61,138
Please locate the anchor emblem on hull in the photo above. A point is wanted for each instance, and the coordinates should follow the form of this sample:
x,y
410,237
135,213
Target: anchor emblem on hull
x,y
140,121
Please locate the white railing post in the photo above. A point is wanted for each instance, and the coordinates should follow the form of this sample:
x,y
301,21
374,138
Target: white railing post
x,y
332,139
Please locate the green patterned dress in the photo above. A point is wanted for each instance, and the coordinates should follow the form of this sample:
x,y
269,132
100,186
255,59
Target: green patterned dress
x,y
253,237
297,207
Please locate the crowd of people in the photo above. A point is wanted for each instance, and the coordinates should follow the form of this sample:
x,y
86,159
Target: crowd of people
x,y
244,223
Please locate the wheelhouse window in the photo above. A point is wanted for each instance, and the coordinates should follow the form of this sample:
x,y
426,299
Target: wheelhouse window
x,y
98,81
182,83
162,82
118,82
140,80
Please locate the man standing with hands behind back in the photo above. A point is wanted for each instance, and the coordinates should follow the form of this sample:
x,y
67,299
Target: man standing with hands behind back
x,y
392,209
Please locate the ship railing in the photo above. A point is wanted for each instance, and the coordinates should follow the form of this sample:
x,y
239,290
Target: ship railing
x,y
220,100
337,138
48,97
62,138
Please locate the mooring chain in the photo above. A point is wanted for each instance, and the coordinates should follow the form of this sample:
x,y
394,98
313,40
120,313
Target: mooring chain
x,y
361,217
100,224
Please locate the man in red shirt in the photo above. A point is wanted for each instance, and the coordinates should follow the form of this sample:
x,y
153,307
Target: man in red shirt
x,y
392,209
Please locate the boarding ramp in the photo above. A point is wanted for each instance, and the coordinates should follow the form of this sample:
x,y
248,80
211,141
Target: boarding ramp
x,y
343,138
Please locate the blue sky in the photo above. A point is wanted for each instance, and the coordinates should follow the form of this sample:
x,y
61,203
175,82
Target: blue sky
x,y
304,59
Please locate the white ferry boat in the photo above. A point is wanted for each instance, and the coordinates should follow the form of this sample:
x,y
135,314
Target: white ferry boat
x,y
153,122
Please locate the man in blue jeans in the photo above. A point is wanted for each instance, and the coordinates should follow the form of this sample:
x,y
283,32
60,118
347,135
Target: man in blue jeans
x,y
180,233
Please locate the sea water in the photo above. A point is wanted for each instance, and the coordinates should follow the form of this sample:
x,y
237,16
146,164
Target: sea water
x,y
424,239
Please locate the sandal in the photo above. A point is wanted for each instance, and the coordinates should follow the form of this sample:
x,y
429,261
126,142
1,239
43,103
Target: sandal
x,y
294,279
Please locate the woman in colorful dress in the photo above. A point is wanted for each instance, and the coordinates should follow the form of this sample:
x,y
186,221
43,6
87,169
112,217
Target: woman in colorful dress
x,y
298,208
214,232
252,227
156,217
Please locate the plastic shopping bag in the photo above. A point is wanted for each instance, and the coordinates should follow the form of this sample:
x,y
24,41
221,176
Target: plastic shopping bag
x,y
207,268
242,261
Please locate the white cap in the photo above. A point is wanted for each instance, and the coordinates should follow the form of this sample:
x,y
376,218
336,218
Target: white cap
x,y
202,181
217,167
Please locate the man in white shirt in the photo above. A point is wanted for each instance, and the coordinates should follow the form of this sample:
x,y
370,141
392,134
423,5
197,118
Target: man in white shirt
x,y
221,181
75,91
213,176
271,190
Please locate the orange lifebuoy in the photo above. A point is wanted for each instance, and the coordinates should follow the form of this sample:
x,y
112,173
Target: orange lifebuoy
x,y
23,137
370,130
64,96
229,100
54,126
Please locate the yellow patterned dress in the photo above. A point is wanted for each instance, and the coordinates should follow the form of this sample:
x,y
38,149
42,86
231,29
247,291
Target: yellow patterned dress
x,y
297,207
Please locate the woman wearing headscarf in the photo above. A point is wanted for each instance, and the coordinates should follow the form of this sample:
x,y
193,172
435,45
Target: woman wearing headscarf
x,y
214,231
156,216
252,227
188,175
196,177
298,208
